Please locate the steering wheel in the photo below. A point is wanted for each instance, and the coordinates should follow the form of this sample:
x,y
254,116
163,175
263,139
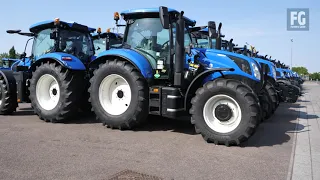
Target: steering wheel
x,y
163,45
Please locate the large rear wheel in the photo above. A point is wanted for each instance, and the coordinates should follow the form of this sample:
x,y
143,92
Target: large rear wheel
x,y
225,111
55,92
119,95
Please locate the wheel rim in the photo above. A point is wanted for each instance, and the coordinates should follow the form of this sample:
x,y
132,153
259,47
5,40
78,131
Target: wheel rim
x,y
47,92
114,94
227,122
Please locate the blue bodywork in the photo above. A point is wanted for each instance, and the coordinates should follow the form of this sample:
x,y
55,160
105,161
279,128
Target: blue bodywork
x,y
220,59
74,63
288,73
272,68
136,58
280,73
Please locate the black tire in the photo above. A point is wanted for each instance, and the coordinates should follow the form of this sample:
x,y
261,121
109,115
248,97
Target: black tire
x,y
247,101
85,107
294,92
8,104
137,111
273,96
265,104
71,90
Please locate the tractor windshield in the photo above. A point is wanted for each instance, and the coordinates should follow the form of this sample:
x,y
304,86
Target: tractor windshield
x,y
76,43
99,45
147,36
201,40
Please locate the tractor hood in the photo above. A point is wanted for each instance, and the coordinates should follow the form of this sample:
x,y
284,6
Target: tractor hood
x,y
242,64
221,60
271,67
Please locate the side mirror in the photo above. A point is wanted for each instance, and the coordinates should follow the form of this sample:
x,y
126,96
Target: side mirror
x,y
219,28
164,17
13,31
212,29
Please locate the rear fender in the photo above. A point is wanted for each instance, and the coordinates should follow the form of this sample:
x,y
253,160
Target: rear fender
x,y
135,58
66,60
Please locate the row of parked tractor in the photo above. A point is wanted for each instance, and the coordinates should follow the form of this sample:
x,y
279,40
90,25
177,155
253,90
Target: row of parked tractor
x,y
162,65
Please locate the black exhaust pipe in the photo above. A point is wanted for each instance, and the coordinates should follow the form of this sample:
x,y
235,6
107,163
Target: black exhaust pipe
x,y
180,51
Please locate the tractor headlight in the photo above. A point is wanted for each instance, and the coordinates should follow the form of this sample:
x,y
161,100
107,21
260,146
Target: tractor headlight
x,y
241,63
256,71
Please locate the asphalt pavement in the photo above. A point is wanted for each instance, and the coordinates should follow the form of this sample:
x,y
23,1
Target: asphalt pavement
x,y
167,149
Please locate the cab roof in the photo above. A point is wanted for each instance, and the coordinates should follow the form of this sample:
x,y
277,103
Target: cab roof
x,y
142,11
50,24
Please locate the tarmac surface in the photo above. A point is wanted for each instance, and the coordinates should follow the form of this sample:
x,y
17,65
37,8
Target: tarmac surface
x,y
167,149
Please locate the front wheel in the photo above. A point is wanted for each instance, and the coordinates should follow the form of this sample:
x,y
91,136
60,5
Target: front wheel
x,y
225,111
119,95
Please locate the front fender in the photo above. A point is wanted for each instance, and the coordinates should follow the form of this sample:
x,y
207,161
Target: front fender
x,y
138,60
198,81
229,73
67,60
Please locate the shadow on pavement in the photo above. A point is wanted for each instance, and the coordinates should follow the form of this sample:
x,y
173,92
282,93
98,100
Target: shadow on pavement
x,y
155,123
279,128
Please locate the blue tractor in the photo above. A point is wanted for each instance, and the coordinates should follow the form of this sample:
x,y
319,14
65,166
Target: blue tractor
x,y
208,40
290,92
55,76
157,72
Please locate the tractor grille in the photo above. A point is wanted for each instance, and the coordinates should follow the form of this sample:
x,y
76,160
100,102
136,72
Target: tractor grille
x,y
131,175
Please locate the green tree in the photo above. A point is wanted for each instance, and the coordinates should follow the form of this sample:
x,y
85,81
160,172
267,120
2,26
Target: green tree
x,y
12,53
300,70
315,76
3,55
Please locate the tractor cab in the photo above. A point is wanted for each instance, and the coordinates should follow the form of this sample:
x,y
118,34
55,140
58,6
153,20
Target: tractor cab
x,y
105,41
68,39
145,34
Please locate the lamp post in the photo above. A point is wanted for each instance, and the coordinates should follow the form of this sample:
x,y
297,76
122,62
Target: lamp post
x,y
291,52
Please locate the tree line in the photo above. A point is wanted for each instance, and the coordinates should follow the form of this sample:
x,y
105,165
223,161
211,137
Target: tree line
x,y
304,71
